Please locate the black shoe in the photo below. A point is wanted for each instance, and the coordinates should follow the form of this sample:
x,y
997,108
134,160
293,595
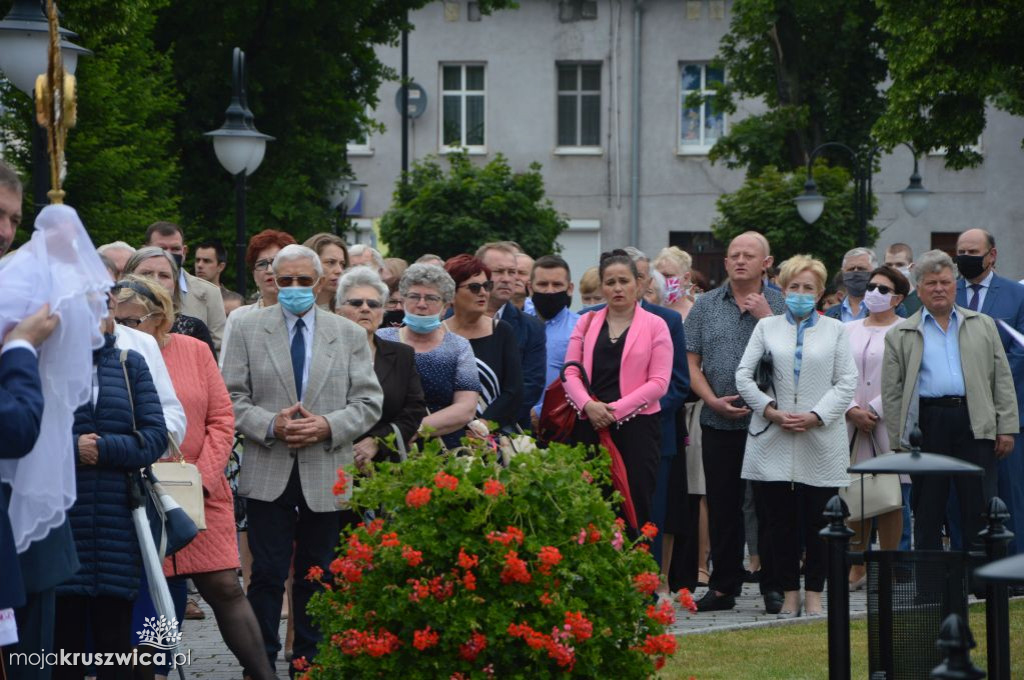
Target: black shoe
x,y
773,602
752,576
713,602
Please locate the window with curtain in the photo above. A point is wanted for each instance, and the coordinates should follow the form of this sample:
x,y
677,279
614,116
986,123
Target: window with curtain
x,y
700,126
463,112
579,104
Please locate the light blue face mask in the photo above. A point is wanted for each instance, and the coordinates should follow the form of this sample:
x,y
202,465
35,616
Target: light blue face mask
x,y
296,299
800,304
422,324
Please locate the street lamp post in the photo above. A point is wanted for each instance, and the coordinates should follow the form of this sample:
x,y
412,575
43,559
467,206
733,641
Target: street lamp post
x,y
811,203
240,148
24,44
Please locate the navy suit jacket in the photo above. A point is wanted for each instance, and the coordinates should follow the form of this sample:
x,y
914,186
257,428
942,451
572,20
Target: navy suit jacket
x,y
1004,300
533,349
21,412
679,386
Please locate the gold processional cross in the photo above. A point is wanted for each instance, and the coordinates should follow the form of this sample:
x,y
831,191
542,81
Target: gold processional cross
x,y
55,105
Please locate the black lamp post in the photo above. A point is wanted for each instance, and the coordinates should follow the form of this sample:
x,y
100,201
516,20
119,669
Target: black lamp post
x,y
240,148
810,204
24,55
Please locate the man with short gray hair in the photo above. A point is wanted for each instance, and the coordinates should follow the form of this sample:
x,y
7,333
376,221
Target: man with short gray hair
x,y
858,263
362,254
946,373
302,383
118,252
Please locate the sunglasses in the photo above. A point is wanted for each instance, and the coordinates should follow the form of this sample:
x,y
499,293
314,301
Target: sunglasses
x,y
286,281
884,290
359,302
131,322
475,288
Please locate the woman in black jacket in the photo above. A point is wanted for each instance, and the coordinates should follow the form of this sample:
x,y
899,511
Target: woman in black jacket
x,y
361,299
120,430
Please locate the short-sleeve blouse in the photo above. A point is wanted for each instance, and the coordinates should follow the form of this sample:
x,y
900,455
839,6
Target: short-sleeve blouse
x,y
448,368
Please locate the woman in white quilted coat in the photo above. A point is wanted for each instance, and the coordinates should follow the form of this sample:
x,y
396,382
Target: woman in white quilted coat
x,y
797,450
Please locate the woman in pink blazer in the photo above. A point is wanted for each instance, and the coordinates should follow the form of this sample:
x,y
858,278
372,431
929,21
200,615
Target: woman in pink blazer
x,y
627,354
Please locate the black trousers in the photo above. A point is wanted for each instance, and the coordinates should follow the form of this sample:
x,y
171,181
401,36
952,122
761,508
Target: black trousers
x,y
276,529
947,430
790,508
109,619
723,462
770,580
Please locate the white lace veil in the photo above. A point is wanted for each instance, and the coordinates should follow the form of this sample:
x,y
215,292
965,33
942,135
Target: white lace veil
x,y
59,266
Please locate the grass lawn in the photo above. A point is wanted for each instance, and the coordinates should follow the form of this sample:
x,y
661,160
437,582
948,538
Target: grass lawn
x,y
799,652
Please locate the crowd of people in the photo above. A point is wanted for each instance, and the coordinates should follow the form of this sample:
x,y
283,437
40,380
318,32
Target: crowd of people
x,y
736,410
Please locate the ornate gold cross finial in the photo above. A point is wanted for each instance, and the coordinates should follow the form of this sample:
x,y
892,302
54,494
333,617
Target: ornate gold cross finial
x,y
55,105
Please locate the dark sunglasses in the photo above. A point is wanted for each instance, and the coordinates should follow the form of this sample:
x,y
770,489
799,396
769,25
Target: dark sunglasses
x,y
359,302
286,281
884,290
475,288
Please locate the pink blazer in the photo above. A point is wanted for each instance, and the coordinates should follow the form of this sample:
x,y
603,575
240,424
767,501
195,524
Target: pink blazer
x,y
646,363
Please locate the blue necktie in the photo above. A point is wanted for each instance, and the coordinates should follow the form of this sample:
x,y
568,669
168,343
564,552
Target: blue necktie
x,y
298,356
973,304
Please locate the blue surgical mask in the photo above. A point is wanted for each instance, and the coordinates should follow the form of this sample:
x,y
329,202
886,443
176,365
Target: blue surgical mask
x,y
800,304
296,299
422,324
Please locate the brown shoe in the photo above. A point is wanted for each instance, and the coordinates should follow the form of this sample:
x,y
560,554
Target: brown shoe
x,y
193,612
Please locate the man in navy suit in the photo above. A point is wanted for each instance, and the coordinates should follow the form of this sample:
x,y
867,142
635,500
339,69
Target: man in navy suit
x,y
981,289
500,258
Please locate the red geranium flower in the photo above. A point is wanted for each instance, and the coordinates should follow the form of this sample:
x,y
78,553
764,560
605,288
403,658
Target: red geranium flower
x,y
467,560
579,626
471,649
663,613
341,485
315,573
686,599
646,582
492,487
649,530
389,540
515,570
412,557
659,644
417,497
443,480
425,639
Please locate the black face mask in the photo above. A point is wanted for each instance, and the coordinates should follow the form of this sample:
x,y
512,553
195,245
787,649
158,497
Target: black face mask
x,y
178,258
548,305
856,283
970,266
393,318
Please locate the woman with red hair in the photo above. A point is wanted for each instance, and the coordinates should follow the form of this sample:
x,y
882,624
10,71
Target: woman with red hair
x,y
493,341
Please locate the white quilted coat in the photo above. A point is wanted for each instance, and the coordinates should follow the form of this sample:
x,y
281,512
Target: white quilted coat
x,y
828,378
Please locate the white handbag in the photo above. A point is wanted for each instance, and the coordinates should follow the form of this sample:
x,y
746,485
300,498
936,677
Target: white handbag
x,y
183,483
871,495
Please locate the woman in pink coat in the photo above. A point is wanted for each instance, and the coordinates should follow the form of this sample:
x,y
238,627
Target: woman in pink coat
x,y
212,557
627,354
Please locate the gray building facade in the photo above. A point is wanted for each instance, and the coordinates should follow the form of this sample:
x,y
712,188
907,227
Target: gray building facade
x,y
553,82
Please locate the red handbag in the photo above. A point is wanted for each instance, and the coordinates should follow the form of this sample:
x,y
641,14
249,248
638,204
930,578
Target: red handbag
x,y
557,414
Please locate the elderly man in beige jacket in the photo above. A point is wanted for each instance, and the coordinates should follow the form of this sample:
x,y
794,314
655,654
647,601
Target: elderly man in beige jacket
x,y
946,373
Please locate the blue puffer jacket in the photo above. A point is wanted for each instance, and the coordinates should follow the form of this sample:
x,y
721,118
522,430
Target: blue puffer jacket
x,y
101,517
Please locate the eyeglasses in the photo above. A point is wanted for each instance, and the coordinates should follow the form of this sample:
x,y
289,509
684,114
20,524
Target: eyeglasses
x,y
415,298
475,288
359,302
263,265
884,290
287,281
131,322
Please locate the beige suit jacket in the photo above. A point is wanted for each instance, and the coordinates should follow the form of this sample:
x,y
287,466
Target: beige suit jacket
x,y
342,387
204,301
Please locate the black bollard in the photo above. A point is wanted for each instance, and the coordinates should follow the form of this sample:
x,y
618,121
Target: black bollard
x,y
997,602
838,536
956,642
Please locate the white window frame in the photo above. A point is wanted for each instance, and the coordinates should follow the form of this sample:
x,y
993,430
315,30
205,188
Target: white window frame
x,y
695,149
580,149
475,149
364,148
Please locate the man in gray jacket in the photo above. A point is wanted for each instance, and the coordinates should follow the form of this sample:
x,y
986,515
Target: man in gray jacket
x,y
946,373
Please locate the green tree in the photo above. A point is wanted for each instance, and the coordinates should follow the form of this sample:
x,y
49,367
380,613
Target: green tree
x,y
765,204
948,60
456,212
122,162
817,66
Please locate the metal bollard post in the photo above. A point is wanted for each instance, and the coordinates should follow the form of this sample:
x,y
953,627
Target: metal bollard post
x,y
838,536
956,641
997,602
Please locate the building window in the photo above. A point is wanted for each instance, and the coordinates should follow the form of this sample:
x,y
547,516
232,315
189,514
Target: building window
x,y
463,109
700,126
360,146
579,105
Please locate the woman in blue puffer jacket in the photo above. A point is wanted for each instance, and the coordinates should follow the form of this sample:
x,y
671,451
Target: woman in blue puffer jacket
x,y
121,430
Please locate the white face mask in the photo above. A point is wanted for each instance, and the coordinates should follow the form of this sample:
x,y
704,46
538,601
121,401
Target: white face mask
x,y
876,302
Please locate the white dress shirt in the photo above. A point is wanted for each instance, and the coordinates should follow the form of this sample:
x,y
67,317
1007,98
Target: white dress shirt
x,y
145,344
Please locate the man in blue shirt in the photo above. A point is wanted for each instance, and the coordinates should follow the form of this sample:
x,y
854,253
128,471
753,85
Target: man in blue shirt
x,y
857,267
551,284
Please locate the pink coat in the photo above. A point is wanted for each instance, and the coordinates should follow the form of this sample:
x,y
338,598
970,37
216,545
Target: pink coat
x,y
208,439
646,363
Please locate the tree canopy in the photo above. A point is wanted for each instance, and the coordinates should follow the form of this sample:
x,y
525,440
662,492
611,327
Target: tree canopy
x,y
455,212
